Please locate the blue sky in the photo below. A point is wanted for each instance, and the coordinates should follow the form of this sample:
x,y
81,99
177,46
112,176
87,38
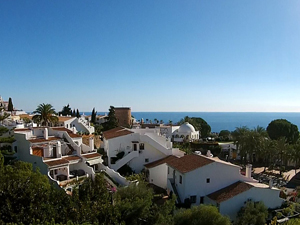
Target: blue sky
x,y
208,56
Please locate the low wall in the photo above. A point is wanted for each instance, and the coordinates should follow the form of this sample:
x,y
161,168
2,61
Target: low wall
x,y
115,175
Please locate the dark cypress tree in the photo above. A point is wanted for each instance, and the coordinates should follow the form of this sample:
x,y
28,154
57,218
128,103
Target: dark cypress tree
x,y
10,105
73,113
77,113
93,117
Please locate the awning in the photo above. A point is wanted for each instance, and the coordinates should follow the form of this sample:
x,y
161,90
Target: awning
x,y
94,161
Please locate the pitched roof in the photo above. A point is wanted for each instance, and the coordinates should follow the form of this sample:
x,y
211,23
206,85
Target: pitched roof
x,y
116,132
56,162
230,191
37,140
61,129
25,116
72,158
64,118
90,156
161,161
21,129
189,163
71,134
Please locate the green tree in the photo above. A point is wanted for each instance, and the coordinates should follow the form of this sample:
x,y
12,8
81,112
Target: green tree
x,y
93,116
10,105
3,116
66,110
225,135
73,113
254,213
282,128
3,130
200,215
199,124
45,115
24,194
112,121
77,113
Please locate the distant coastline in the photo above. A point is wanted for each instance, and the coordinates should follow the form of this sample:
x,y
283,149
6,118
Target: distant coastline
x,y
220,120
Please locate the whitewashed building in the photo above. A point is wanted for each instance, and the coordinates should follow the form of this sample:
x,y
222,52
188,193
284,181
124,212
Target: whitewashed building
x,y
57,152
136,147
198,179
81,124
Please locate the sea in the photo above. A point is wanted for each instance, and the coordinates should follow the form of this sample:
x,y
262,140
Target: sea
x,y
220,120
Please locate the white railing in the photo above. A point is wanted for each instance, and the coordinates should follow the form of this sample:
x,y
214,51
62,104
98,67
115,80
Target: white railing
x,y
156,144
124,160
72,143
55,182
115,175
86,148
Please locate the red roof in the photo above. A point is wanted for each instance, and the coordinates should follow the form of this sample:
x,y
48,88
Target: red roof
x,y
93,155
183,164
72,158
230,191
22,129
116,132
37,140
161,161
71,134
189,163
56,162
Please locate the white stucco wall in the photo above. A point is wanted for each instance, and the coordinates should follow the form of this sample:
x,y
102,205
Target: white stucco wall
x,y
125,143
158,175
23,153
150,153
270,197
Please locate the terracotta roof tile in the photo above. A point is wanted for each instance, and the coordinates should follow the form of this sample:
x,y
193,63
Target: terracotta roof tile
x,y
189,163
161,161
25,116
71,134
90,156
116,132
74,135
61,129
56,162
64,118
230,191
72,158
37,140
21,129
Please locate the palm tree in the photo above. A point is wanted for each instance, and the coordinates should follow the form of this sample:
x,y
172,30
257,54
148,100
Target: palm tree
x,y
45,114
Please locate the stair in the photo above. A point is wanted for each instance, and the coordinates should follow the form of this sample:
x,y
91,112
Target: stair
x,y
124,160
176,192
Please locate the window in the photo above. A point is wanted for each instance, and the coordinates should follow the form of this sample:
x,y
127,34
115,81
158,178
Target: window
x,y
201,200
146,160
193,198
180,179
208,180
16,149
142,146
168,170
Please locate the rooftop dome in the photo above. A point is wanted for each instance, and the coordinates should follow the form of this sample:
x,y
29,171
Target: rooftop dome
x,y
186,128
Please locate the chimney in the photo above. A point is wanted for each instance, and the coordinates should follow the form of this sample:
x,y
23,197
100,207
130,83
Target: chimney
x,y
74,130
58,149
46,133
271,183
248,170
91,142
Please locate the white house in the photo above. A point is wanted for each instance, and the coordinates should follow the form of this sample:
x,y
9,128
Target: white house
x,y
81,124
200,179
136,147
57,152
185,132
